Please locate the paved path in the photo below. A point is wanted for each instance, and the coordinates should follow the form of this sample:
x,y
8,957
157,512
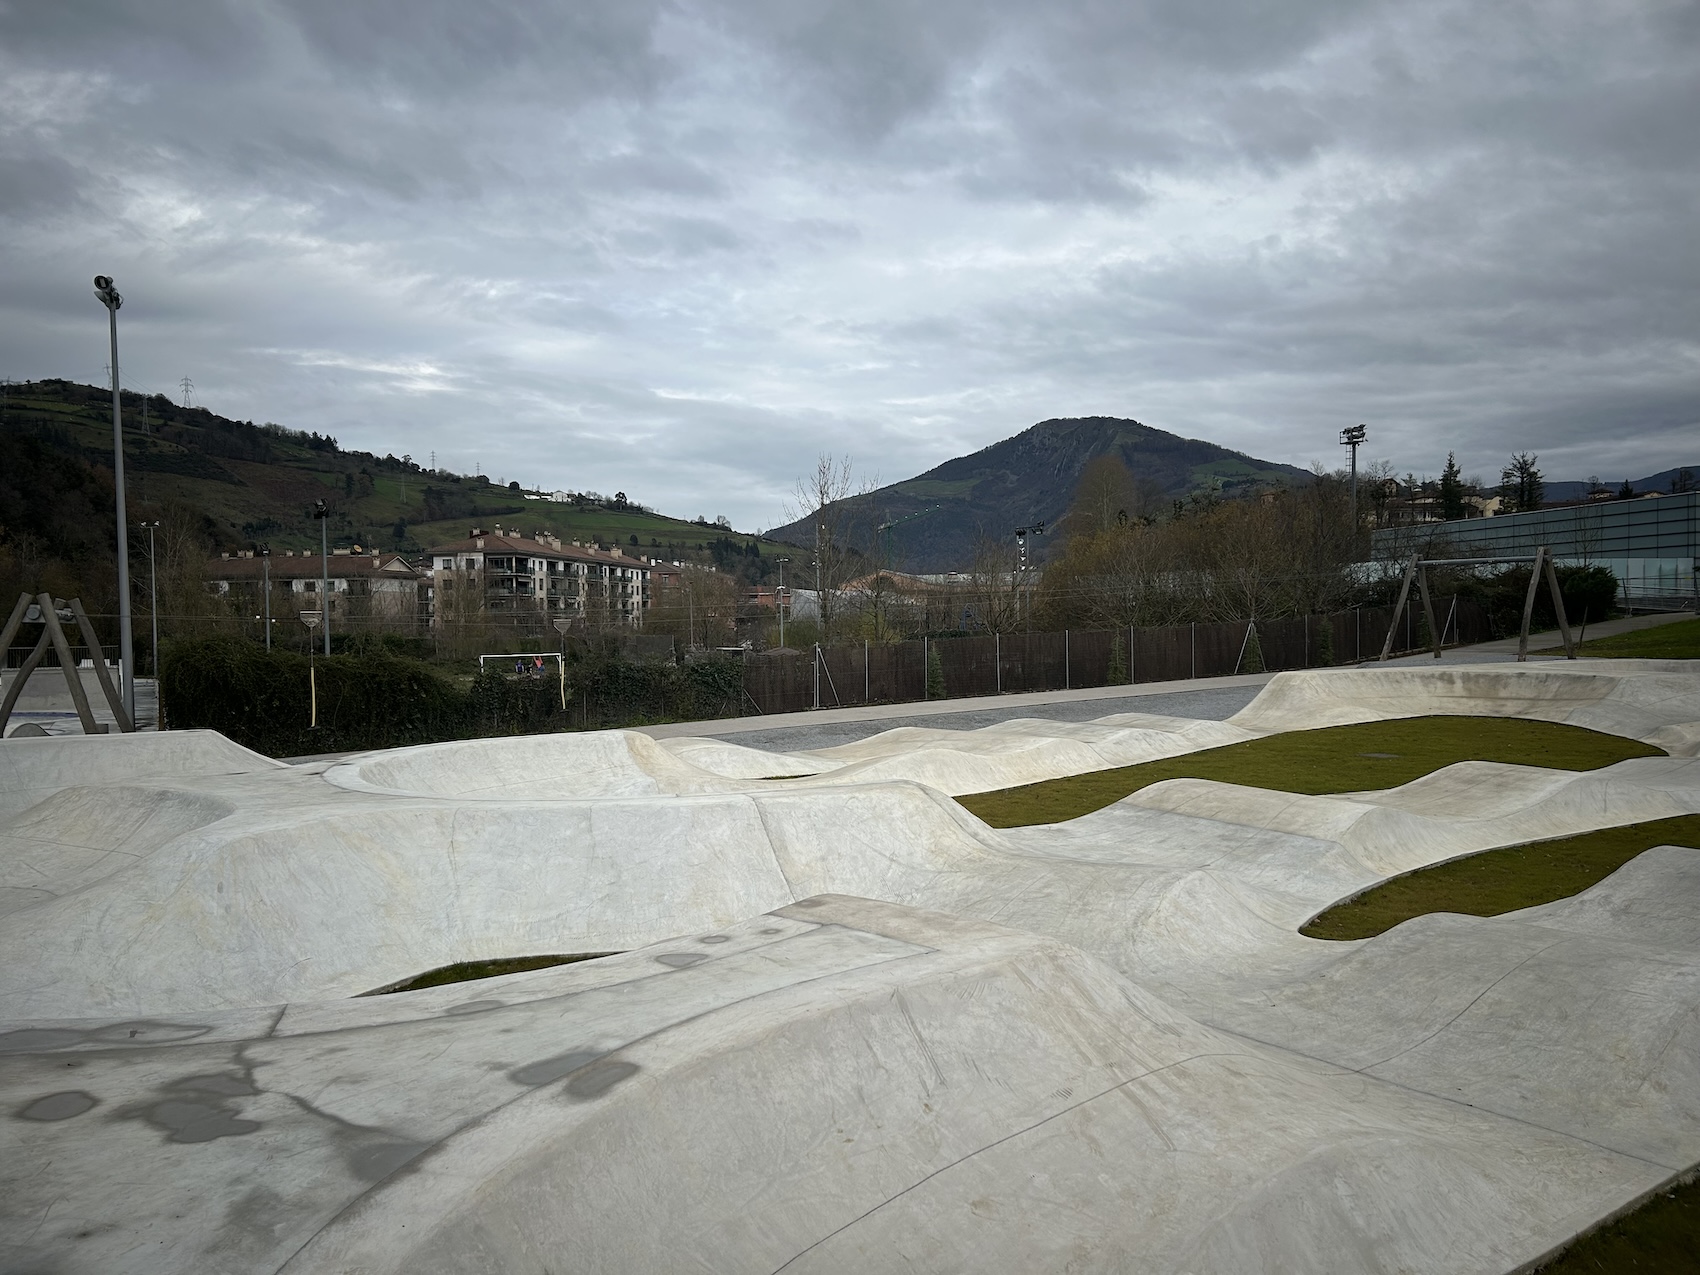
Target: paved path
x,y
1209,698
1542,646
46,703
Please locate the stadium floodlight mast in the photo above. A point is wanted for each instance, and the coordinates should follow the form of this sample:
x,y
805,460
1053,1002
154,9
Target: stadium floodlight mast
x,y
1021,534
126,648
1353,436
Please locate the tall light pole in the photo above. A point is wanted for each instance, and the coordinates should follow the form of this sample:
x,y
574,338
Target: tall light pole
x,y
266,589
153,606
1353,436
1021,534
322,512
126,648
780,599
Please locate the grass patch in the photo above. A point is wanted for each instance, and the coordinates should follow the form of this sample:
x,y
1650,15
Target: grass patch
x,y
467,971
1502,880
1679,640
1662,1235
1361,757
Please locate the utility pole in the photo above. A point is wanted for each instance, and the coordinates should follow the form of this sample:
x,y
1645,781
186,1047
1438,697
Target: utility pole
x,y
153,612
322,512
780,599
1353,436
126,648
266,589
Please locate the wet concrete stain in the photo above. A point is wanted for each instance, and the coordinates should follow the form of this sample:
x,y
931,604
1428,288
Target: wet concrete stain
x,y
681,960
548,1070
590,1073
29,1040
474,1007
715,938
196,1108
383,1159
188,1121
59,1106
597,1080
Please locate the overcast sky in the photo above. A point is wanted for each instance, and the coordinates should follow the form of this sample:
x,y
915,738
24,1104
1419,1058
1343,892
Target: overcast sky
x,y
679,249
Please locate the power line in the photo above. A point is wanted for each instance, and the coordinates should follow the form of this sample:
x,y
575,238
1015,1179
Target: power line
x,y
188,388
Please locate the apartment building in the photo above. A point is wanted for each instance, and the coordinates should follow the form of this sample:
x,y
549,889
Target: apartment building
x,y
500,573
363,583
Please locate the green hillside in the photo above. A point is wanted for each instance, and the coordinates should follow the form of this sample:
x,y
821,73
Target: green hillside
x,y
936,519
243,484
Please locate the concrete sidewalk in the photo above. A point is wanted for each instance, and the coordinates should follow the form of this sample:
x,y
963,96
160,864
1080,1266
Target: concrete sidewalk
x,y
1212,698
1546,645
46,702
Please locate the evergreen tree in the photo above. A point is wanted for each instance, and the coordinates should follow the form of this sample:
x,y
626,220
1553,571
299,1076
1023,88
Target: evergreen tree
x,y
1251,660
935,673
1520,485
1117,675
1451,490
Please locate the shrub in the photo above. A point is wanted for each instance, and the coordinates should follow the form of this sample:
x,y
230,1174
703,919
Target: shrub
x,y
1117,675
935,673
1251,658
1322,655
263,699
374,698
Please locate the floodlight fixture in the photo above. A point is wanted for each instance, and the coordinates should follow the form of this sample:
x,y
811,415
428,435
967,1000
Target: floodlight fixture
x,y
109,298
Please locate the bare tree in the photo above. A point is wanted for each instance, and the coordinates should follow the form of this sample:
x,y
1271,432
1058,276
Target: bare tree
x,y
991,594
701,610
827,498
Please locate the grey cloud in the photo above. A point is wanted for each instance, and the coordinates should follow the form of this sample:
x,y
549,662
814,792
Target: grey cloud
x,y
678,249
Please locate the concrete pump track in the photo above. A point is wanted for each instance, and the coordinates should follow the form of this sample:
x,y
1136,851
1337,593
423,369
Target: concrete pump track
x,y
852,1027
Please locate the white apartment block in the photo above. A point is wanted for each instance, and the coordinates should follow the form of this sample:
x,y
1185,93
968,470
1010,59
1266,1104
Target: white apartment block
x,y
541,575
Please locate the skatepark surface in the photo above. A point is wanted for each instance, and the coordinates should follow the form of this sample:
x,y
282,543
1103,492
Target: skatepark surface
x,y
851,1027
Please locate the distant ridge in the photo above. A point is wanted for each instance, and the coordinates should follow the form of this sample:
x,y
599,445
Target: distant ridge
x,y
1032,477
1660,481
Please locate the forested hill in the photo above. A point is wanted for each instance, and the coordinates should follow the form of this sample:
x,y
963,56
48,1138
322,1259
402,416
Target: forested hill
x,y
1032,477
234,484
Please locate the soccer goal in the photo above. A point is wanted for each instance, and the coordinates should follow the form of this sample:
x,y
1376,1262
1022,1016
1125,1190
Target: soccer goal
x,y
530,664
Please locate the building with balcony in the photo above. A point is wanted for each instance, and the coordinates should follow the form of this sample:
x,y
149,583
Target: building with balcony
x,y
364,584
496,574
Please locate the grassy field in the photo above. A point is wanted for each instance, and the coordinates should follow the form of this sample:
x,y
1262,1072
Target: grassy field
x,y
1679,640
1356,758
1663,1235
1502,880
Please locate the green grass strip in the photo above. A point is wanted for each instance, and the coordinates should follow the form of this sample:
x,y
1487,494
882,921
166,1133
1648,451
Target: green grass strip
x,y
1662,1235
468,971
1362,757
1502,880
1679,640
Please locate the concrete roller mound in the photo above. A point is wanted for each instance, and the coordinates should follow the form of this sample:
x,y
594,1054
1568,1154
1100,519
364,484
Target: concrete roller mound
x,y
842,1085
853,1027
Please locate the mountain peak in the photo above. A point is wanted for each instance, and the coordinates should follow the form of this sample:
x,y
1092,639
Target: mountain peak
x,y
1032,476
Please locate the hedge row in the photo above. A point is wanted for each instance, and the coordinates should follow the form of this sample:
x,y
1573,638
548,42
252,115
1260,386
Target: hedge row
x,y
372,697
